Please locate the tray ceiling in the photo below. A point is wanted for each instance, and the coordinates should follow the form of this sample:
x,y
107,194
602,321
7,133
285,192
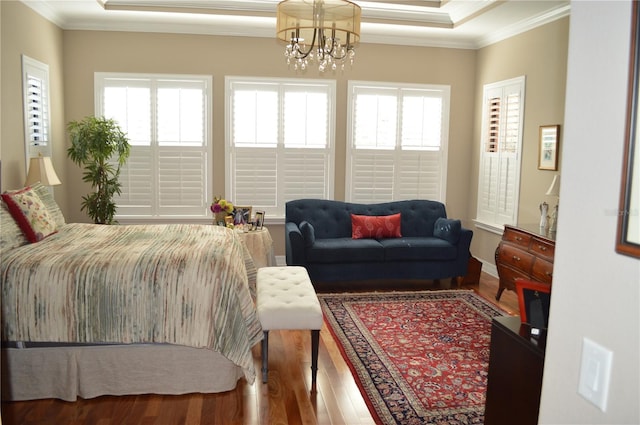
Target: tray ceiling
x,y
453,23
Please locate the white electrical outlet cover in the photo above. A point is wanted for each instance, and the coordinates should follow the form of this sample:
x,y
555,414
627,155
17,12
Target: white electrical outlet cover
x,y
595,373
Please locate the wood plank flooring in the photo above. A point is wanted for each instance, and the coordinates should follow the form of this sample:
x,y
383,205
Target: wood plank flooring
x,y
286,399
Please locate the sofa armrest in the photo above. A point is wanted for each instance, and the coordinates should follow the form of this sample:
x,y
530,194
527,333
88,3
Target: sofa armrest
x,y
294,245
464,250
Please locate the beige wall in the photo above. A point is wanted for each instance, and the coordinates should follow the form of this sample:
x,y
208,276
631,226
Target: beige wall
x,y
86,52
541,56
25,32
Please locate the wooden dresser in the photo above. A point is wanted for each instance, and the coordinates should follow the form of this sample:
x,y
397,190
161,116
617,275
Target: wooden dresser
x,y
524,252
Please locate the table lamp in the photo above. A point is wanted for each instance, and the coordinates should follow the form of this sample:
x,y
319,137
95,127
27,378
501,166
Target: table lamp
x,y
41,170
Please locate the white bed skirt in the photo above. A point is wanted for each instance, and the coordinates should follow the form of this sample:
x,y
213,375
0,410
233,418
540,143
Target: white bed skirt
x,y
70,372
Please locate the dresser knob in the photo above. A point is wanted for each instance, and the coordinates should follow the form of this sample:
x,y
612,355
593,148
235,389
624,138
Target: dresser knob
x,y
516,258
542,247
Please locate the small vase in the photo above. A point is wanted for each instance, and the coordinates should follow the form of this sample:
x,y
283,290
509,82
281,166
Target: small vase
x,y
218,218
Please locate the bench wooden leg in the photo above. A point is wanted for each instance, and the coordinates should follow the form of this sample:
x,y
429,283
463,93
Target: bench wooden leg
x,y
265,356
315,342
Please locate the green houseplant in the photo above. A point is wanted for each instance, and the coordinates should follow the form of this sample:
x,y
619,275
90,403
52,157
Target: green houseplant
x,y
102,148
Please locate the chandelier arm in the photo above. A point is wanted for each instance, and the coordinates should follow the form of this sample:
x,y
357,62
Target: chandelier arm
x,y
301,54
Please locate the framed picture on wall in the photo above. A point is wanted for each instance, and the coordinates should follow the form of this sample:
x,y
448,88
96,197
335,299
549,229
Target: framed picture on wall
x,y
548,147
628,233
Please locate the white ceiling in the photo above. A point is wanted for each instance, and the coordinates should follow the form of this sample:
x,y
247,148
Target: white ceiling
x,y
449,23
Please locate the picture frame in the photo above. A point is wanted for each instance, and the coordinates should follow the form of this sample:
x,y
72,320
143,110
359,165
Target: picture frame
x,y
548,147
534,299
259,220
241,215
628,231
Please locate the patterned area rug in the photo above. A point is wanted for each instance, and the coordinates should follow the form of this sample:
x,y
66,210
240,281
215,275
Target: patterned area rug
x,y
418,357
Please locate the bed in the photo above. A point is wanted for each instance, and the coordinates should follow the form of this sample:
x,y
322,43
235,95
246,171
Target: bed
x,y
92,310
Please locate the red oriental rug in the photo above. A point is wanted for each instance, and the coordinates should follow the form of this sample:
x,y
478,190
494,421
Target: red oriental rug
x,y
418,357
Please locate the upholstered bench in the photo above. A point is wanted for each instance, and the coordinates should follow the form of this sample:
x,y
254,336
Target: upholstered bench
x,y
286,299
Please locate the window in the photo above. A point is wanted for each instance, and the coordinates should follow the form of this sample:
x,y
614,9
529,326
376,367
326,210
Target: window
x,y
500,155
167,119
279,141
397,142
35,83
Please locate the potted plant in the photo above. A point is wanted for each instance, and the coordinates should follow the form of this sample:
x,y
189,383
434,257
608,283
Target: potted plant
x,y
102,148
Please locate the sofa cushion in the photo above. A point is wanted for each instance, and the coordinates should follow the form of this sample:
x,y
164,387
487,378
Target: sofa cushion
x,y
447,229
376,226
308,233
427,248
345,250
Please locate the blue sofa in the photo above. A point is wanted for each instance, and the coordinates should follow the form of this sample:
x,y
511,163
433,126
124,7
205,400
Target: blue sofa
x,y
318,236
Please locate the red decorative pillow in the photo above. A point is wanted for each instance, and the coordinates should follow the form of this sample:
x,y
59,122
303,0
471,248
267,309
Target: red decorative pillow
x,y
28,210
375,226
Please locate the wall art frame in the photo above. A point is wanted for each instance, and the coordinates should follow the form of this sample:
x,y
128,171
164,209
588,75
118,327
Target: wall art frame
x,y
628,233
548,147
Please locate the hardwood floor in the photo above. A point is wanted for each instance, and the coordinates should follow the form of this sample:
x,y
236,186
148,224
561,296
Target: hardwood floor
x,y
286,399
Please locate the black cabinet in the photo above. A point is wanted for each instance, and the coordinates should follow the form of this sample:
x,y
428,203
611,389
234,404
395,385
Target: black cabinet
x,y
516,363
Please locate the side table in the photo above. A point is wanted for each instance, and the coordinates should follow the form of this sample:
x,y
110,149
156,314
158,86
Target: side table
x,y
516,363
260,246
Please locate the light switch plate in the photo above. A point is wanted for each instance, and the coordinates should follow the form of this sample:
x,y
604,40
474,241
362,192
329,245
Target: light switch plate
x,y
595,373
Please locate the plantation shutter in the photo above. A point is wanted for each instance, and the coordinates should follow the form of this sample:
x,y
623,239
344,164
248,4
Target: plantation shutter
x,y
165,117
398,141
35,82
500,154
280,143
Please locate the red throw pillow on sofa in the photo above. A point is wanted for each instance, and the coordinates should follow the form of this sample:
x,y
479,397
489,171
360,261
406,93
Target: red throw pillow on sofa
x,y
375,226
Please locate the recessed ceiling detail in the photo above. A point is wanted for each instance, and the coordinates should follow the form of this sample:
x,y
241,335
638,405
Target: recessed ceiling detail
x,y
453,23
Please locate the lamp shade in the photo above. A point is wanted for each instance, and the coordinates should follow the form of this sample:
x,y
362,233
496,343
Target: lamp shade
x,y
302,17
554,189
41,170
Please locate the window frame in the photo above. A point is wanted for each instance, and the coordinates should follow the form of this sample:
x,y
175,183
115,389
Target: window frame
x,y
498,221
32,68
401,89
276,213
157,214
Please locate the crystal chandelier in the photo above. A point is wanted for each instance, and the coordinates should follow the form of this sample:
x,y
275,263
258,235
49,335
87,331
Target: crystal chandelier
x,y
319,31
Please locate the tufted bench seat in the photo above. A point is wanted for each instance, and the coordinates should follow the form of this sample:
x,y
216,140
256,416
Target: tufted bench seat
x,y
286,299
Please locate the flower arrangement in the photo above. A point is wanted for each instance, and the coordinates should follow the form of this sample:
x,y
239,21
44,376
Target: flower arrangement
x,y
221,206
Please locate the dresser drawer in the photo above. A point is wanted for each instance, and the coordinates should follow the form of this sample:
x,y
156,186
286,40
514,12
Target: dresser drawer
x,y
515,257
542,270
517,237
542,248
508,276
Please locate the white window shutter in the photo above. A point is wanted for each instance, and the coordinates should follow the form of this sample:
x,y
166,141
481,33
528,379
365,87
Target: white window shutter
x,y
138,184
280,143
36,104
167,121
255,178
499,176
397,142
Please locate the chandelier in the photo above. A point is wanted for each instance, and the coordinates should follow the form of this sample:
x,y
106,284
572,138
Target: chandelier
x,y
324,32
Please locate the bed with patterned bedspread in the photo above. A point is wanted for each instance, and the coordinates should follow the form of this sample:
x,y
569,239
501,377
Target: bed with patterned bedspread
x,y
87,285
